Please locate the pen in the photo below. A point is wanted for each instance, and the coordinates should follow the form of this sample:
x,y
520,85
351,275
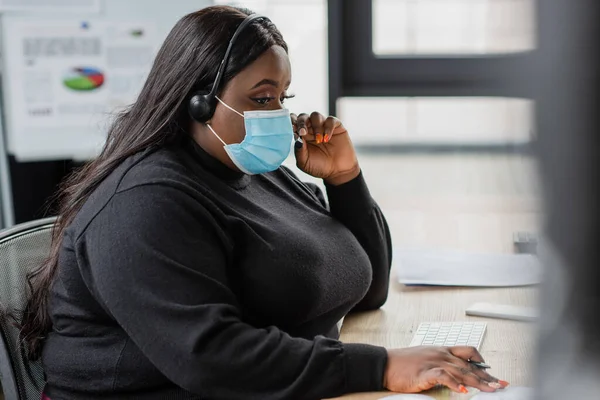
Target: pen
x,y
479,364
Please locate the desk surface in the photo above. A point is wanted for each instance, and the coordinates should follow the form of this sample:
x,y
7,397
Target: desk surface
x,y
508,346
473,203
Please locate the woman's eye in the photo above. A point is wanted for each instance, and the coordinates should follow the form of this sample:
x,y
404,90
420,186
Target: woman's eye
x,y
263,100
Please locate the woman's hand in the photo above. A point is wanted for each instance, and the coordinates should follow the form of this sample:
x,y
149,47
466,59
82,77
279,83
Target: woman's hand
x,y
327,152
416,369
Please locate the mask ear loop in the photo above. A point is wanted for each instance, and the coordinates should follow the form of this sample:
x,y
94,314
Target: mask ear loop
x,y
215,133
235,111
211,128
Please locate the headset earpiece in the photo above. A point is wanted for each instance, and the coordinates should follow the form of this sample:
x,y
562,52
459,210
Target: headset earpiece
x,y
201,106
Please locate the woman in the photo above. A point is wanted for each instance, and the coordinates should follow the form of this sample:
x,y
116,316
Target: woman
x,y
187,265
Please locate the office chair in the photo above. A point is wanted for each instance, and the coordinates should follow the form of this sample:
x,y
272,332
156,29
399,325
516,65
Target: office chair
x,y
22,248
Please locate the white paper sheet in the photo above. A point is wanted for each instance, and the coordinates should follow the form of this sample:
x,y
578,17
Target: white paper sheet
x,y
407,397
511,393
452,268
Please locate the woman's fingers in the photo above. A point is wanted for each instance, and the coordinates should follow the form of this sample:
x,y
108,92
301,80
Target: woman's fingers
x,y
300,124
299,143
300,131
439,376
315,127
469,378
330,125
477,371
464,354
457,379
317,122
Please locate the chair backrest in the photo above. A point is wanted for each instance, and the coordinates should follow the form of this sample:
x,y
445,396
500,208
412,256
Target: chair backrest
x,y
22,248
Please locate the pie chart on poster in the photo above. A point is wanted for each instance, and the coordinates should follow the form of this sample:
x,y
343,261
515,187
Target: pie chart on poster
x,y
83,78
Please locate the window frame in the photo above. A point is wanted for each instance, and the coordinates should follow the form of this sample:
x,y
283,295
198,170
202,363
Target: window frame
x,y
356,71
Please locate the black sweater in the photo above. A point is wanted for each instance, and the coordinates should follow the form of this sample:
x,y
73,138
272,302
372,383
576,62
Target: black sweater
x,y
182,279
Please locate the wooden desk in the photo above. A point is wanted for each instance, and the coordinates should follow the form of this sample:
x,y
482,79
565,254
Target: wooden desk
x,y
508,346
473,203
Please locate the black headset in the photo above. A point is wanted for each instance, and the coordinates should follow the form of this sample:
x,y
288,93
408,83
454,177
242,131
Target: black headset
x,y
201,106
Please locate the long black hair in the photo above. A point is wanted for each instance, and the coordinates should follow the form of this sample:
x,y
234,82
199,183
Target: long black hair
x,y
187,61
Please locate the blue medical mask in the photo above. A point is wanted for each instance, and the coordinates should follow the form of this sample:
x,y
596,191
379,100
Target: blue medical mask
x,y
267,144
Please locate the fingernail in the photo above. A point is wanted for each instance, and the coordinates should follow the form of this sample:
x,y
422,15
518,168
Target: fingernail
x,y
495,385
463,389
503,383
327,138
319,138
302,131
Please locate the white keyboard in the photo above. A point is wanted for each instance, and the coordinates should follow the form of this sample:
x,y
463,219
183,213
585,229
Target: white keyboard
x,y
449,334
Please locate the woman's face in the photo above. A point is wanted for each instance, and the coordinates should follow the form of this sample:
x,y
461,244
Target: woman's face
x,y
262,85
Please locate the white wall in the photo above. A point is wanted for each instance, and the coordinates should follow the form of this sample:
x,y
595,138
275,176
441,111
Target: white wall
x,y
163,12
